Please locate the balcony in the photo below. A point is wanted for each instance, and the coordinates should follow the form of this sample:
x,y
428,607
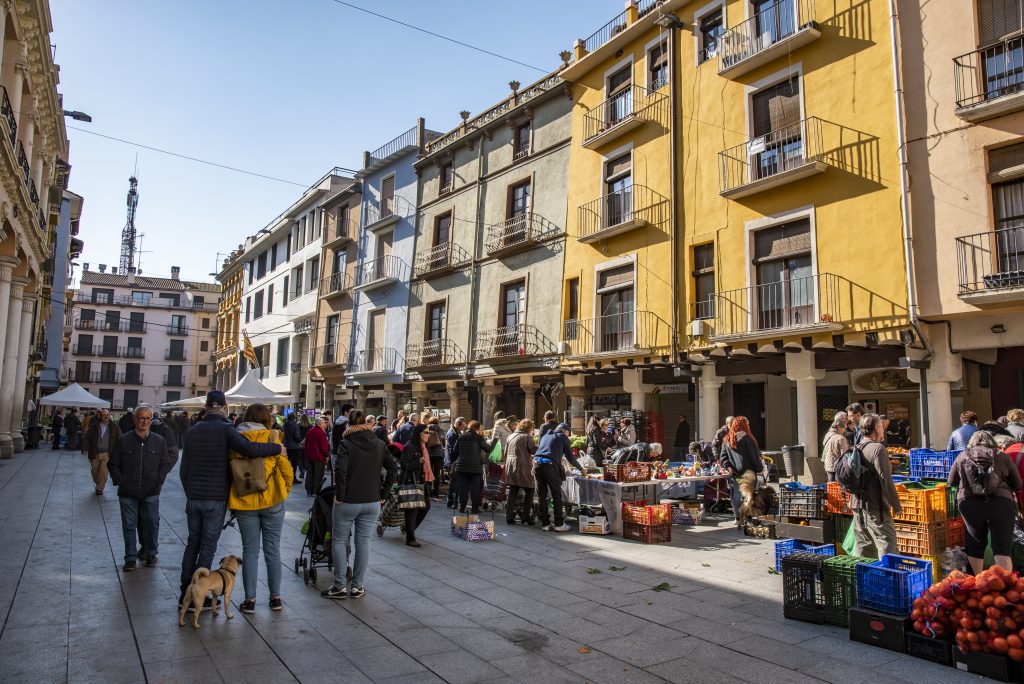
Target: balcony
x,y
174,355
7,114
338,233
808,304
383,360
433,354
336,284
23,161
107,377
85,349
441,259
110,352
787,154
517,234
129,378
621,113
330,355
381,214
142,302
990,81
627,333
990,267
131,352
133,326
174,329
773,32
620,212
510,344
174,381
33,194
73,375
85,324
381,272
110,326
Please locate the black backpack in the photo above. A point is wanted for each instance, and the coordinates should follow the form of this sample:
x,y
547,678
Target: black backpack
x,y
981,476
853,472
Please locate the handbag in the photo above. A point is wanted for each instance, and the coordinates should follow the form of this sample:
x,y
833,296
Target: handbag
x,y
411,496
249,475
495,455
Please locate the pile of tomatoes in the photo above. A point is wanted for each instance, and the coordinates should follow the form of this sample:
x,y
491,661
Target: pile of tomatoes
x,y
985,612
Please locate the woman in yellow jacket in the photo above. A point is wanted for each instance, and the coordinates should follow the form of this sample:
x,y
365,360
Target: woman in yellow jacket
x,y
262,513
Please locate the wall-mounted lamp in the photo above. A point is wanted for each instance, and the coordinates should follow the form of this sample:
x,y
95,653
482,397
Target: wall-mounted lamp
x,y
998,328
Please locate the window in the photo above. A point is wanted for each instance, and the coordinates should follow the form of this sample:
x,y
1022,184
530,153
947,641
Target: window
x,y
343,221
387,197
170,299
776,19
131,398
778,139
134,349
141,298
330,353
300,233
338,262
112,320
206,322
270,297
87,315
785,284
618,206
102,296
136,322
512,312
284,293
287,248
615,327
108,371
704,280
273,257
711,29
106,394
282,355
314,220
110,345
297,280
521,140
202,371
172,396
261,266
249,268
84,344
257,306
619,104
442,229
572,308
198,302
1008,200
657,66
436,316
998,19
248,308
176,351
175,375
519,199
446,178
204,346
83,369
314,273
178,325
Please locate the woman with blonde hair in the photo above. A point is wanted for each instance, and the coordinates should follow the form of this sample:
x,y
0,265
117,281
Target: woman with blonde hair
x,y
519,472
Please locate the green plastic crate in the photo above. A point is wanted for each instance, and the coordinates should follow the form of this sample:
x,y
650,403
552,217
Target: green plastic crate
x,y
842,524
840,584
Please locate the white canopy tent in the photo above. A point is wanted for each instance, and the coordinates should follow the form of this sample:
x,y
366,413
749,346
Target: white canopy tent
x,y
248,390
75,396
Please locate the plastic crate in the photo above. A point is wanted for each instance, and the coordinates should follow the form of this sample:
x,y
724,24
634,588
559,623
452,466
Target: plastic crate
x,y
634,471
921,503
803,592
648,534
955,535
933,464
788,547
891,583
842,525
921,539
838,499
642,514
840,585
928,648
800,501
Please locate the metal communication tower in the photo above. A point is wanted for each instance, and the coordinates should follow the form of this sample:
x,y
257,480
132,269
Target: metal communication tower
x,y
128,235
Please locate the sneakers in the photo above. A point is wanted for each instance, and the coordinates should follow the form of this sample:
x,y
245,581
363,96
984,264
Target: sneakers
x,y
128,566
356,593
562,528
548,528
248,606
276,603
150,561
333,592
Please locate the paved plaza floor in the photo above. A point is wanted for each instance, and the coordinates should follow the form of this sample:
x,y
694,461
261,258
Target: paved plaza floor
x,y
532,606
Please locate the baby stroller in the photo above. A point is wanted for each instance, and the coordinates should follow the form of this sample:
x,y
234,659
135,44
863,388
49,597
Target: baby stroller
x,y
317,546
390,514
495,491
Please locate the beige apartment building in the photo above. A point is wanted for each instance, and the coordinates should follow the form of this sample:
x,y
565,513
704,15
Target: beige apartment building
x,y
229,311
964,113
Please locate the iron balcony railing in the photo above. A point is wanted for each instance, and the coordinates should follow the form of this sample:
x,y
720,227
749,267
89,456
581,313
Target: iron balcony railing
x,y
23,161
407,139
108,377
385,209
617,25
177,330
33,194
791,304
632,102
7,112
85,324
768,27
109,351
85,349
385,267
990,261
990,72
174,355
511,342
148,302
336,283
517,232
436,352
784,149
440,258
336,230
174,381
134,326
635,203
379,360
330,355
131,352
74,375
626,332
129,378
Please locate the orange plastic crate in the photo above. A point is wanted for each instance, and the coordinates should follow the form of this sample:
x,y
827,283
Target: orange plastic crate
x,y
658,514
921,539
955,532
921,504
838,499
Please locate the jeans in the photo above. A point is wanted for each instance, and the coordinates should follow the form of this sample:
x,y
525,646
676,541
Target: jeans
x,y
470,488
205,522
252,524
549,481
365,516
142,515
526,514
414,516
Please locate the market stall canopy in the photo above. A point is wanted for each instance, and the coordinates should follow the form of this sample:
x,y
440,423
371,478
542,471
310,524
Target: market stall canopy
x,y
249,390
191,402
76,396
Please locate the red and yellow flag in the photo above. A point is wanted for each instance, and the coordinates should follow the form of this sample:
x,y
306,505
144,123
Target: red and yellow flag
x,y
249,352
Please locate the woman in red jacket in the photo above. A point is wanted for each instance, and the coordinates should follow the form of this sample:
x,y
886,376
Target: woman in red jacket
x,y
318,453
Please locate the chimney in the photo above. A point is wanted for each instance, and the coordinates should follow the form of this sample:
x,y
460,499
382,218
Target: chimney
x,y
103,268
175,273
113,270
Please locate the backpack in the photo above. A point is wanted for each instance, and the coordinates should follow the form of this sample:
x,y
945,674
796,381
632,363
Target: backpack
x,y
853,472
980,474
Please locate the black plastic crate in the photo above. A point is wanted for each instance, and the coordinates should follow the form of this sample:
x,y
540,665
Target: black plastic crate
x,y
930,648
803,592
880,629
803,502
993,666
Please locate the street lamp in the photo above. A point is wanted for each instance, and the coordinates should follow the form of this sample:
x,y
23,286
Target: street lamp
x,y
77,115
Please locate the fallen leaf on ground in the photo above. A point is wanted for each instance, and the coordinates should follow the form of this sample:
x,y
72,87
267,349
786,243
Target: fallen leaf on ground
x,y
584,650
705,565
773,571
664,586
593,571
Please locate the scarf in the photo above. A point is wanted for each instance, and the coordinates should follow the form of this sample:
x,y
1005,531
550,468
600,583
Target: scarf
x,y
428,472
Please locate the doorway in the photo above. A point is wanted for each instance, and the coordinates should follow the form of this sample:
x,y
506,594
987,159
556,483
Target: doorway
x,y
748,401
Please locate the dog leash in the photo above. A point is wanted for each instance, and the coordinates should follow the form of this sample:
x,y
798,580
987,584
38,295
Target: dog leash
x,y
230,522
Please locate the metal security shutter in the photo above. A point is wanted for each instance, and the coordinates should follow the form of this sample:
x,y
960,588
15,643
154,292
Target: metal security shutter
x,y
998,19
781,241
777,107
1006,163
617,167
614,277
671,406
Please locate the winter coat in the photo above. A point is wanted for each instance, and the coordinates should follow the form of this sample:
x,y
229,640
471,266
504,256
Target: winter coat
x,y
167,432
292,435
745,456
381,433
473,451
204,471
832,449
404,433
1016,429
318,450
1009,476
960,437
139,466
357,471
880,493
92,438
501,432
451,447
519,460
72,424
598,444
627,435
435,443
547,427
127,423
410,465
278,471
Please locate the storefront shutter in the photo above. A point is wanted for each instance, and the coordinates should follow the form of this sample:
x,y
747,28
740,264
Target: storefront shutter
x,y
998,19
781,241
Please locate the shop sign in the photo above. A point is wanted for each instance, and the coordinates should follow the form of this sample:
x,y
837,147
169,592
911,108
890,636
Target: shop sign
x,y
674,389
885,380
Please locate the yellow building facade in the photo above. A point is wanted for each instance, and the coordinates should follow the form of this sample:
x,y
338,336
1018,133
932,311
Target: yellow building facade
x,y
225,354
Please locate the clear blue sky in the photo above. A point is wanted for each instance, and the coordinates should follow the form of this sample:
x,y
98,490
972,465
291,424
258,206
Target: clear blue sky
x,y
287,89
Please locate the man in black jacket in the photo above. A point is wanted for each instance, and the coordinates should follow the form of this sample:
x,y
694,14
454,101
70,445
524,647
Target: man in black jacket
x,y
339,427
549,423
138,466
72,425
56,426
293,445
127,421
166,431
206,479
380,430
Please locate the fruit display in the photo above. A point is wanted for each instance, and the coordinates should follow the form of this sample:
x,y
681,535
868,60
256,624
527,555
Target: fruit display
x,y
983,612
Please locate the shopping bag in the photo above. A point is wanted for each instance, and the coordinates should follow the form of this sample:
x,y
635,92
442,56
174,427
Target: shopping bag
x,y
411,496
495,456
850,542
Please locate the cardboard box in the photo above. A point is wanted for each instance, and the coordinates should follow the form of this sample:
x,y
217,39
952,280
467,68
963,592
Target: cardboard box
x,y
459,521
880,629
817,531
597,524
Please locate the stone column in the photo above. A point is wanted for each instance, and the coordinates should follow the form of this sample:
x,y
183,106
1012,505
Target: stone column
x,y
7,264
6,7
20,73
457,399
577,408
800,369
632,382
946,368
490,403
530,404
709,419
18,408
10,369
362,397
391,404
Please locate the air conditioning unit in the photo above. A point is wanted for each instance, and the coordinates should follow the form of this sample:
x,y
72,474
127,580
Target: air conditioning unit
x,y
699,328
564,348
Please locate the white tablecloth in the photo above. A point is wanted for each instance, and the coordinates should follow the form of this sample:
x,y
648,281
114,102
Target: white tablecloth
x,y
591,492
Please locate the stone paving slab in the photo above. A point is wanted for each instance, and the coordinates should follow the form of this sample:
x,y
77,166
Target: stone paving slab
x,y
529,607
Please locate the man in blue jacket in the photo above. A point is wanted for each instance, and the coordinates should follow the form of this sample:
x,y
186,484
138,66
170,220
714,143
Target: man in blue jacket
x,y
206,478
549,475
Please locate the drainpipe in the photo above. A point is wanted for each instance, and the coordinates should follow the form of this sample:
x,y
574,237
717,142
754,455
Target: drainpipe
x,y
908,236
673,87
473,294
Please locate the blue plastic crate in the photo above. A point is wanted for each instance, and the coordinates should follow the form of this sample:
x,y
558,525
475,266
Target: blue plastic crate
x,y
786,547
925,463
891,583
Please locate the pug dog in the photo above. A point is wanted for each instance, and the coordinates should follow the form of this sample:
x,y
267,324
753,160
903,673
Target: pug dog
x,y
219,582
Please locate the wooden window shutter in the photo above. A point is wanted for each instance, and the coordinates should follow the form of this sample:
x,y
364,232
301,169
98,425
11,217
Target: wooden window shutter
x,y
777,107
616,276
998,19
1006,163
620,80
782,241
615,167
